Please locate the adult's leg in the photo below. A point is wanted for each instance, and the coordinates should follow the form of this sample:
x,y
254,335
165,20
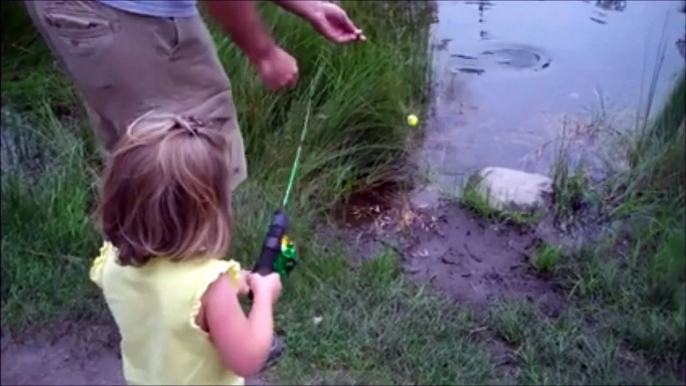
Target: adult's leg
x,y
125,65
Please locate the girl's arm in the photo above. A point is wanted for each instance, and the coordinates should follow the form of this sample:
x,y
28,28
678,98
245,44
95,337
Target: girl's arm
x,y
242,342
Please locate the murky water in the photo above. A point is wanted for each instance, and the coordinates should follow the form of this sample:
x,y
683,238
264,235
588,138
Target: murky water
x,y
507,73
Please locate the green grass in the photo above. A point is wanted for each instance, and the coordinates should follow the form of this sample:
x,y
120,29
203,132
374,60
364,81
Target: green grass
x,y
46,234
358,134
565,350
383,332
629,280
546,257
571,191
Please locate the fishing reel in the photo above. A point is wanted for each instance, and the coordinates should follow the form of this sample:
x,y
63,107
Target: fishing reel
x,y
278,253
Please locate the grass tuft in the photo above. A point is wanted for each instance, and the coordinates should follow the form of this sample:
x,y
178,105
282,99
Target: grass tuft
x,y
633,275
546,257
480,204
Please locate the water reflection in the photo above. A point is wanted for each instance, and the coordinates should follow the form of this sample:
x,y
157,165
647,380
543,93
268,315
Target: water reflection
x,y
506,74
611,5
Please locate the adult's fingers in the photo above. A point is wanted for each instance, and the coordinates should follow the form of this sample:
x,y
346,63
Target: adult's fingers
x,y
345,38
287,83
347,24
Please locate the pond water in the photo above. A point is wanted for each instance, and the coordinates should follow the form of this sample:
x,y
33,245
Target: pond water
x,y
509,75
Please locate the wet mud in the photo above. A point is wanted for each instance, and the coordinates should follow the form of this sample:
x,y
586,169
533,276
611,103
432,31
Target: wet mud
x,y
443,246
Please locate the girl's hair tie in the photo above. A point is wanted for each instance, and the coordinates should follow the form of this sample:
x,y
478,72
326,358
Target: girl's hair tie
x,y
191,124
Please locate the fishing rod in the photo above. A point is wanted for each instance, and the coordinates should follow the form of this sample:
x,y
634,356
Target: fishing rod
x,y
278,253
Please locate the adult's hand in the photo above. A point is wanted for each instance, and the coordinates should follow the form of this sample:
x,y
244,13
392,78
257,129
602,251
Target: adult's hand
x,y
327,17
277,68
332,22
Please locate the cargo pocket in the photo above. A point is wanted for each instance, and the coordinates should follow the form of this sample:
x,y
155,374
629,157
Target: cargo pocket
x,y
81,23
82,32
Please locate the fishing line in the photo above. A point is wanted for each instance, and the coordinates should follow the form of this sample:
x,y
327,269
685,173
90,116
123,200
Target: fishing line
x,y
303,133
278,253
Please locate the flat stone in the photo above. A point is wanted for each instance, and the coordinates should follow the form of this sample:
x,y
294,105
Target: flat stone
x,y
513,189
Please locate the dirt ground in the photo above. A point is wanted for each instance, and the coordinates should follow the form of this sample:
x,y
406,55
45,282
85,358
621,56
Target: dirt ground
x,y
475,263
470,260
39,364
74,355
70,354
463,257
65,361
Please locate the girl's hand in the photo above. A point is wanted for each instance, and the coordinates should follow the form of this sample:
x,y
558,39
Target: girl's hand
x,y
267,288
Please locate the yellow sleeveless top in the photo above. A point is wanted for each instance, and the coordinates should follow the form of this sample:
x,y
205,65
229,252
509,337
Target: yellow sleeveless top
x,y
155,308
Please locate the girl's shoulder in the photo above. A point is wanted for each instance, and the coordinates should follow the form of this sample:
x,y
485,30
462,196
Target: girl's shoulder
x,y
211,268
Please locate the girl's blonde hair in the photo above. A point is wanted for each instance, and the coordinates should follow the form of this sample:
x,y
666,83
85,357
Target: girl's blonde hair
x,y
165,191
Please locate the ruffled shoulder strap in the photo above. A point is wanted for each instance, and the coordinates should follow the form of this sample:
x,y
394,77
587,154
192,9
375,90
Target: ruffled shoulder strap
x,y
231,268
107,251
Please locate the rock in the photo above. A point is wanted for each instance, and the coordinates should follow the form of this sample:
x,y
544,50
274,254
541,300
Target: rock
x,y
513,189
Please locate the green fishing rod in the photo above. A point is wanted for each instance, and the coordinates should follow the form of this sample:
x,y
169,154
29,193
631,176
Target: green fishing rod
x,y
278,253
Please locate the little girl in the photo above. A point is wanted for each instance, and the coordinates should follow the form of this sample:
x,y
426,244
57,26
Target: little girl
x,y
164,205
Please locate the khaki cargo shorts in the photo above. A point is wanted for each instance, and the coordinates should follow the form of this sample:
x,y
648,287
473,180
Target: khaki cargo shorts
x,y
126,65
